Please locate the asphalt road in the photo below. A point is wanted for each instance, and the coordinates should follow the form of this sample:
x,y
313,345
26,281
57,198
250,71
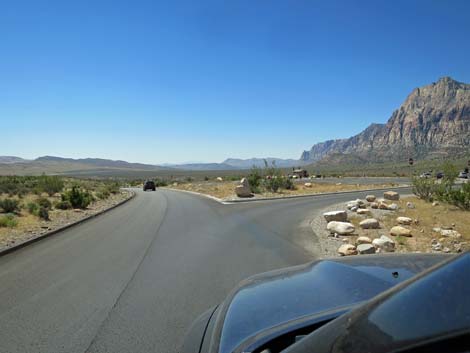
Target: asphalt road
x,y
133,279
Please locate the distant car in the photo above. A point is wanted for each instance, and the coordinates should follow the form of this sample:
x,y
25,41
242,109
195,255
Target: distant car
x,y
410,303
463,175
439,175
425,175
149,185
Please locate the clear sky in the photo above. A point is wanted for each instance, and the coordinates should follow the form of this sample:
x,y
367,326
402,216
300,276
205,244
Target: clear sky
x,y
176,81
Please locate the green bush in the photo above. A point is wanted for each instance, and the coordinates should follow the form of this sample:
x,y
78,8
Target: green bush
x,y
63,205
8,221
50,184
273,183
254,179
10,205
424,188
77,197
103,195
44,202
33,208
43,213
460,197
160,182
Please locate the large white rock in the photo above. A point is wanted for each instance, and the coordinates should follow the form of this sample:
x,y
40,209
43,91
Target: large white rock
x,y
308,185
243,190
369,223
404,220
340,216
365,249
347,249
341,228
399,230
370,198
391,195
384,243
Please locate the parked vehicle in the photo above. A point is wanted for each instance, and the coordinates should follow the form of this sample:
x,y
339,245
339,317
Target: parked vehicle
x,y
381,303
426,175
463,175
439,175
149,185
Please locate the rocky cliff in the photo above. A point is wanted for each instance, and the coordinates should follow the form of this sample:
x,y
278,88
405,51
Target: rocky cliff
x,y
433,121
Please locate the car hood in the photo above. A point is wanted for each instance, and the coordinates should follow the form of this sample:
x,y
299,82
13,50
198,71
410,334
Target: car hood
x,y
274,299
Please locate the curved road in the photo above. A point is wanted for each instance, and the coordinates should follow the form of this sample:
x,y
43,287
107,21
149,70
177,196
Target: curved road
x,y
133,279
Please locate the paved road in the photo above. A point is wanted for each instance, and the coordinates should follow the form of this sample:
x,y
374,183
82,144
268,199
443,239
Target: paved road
x,y
133,279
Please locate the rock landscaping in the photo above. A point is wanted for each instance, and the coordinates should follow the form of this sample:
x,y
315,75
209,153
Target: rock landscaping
x,y
403,226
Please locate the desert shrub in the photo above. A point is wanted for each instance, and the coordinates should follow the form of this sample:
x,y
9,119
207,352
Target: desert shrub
x,y
77,197
10,205
32,208
460,197
206,178
8,220
160,182
112,188
43,213
63,205
103,194
424,188
273,184
287,184
44,202
50,184
254,179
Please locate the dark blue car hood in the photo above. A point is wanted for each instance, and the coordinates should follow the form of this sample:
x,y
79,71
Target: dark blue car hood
x,y
274,299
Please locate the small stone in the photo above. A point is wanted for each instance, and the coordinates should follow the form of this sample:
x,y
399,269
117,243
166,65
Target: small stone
x,y
404,220
446,249
219,179
436,247
450,233
363,240
384,243
400,231
391,195
393,207
435,203
370,198
374,205
410,205
345,240
363,211
365,249
369,223
354,208
347,250
340,216
308,185
383,206
436,229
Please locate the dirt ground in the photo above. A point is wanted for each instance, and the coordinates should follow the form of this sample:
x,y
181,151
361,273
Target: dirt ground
x,y
225,190
30,226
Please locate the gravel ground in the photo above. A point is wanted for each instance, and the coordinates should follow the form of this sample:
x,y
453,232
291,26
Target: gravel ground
x,y
58,219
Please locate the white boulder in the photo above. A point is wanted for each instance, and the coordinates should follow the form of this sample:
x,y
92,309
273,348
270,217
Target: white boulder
x,y
365,249
347,249
404,220
340,216
384,243
369,223
341,228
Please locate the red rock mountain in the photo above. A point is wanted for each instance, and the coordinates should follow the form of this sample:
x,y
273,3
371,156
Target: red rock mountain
x,y
434,121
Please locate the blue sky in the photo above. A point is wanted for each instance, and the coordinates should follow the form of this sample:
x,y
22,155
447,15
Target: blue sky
x,y
177,81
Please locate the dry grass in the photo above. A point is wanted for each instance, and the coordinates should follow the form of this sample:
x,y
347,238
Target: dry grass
x,y
226,189
425,218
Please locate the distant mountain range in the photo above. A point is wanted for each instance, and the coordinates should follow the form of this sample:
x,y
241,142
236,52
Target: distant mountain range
x,y
434,121
10,165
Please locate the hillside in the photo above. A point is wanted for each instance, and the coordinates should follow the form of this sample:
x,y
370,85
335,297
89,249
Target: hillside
x,y
434,121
